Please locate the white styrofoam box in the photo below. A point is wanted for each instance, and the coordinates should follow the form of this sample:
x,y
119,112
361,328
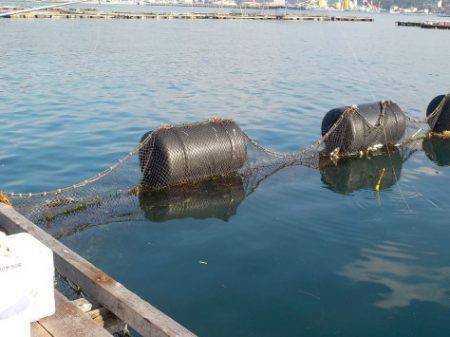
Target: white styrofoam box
x,y
14,301
37,260
14,321
12,276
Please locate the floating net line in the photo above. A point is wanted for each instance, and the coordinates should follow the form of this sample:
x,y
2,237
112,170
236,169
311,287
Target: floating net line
x,y
121,192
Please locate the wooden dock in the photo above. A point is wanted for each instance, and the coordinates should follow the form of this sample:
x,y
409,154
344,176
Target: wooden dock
x,y
427,24
58,13
68,321
76,319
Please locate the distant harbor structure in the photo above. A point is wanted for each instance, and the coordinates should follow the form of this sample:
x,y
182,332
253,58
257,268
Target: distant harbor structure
x,y
78,13
427,24
370,6
439,6
345,5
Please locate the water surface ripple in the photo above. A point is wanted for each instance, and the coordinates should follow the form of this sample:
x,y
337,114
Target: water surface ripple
x,y
299,256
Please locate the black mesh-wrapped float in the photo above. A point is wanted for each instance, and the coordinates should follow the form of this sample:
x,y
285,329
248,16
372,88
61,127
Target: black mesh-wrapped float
x,y
192,152
437,150
438,113
352,174
213,198
366,126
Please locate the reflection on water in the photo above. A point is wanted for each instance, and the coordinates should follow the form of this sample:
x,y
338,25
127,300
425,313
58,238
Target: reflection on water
x,y
438,150
352,174
218,198
396,267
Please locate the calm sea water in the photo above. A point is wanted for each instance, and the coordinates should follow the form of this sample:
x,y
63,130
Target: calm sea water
x,y
309,253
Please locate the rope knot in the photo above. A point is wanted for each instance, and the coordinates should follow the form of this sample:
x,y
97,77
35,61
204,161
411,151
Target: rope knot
x,y
216,120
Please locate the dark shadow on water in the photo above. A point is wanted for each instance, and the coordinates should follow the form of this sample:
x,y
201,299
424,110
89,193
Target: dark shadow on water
x,y
352,174
217,198
437,150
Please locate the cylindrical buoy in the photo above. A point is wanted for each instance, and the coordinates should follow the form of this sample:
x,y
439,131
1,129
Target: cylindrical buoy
x,y
352,174
367,125
192,152
438,116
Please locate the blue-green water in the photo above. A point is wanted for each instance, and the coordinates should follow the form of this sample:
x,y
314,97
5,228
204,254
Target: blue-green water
x,y
309,253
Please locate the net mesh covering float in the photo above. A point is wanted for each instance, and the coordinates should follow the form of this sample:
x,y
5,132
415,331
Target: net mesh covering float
x,y
438,114
206,169
192,152
363,127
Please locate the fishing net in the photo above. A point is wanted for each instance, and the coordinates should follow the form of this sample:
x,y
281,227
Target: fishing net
x,y
220,166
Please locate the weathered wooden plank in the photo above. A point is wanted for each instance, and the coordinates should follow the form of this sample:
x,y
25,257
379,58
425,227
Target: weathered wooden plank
x,y
38,331
130,308
69,321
